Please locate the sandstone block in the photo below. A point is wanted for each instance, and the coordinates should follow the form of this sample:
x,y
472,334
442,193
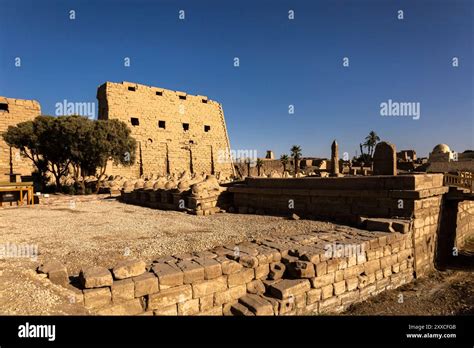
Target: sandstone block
x,y
248,261
327,291
302,269
229,266
206,302
168,276
171,310
145,284
313,296
230,295
243,277
289,287
75,295
123,290
240,309
326,279
329,305
96,298
321,269
131,307
257,304
332,265
261,271
95,277
277,269
212,268
371,266
349,297
128,268
339,287
190,307
339,275
214,311
208,287
170,296
56,271
192,272
256,287
352,283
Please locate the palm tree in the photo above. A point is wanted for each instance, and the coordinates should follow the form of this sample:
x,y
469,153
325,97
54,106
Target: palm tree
x,y
370,142
284,160
259,165
296,155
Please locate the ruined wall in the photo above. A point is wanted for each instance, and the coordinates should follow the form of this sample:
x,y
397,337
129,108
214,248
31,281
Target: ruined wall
x,y
279,276
158,118
464,223
12,112
451,166
417,198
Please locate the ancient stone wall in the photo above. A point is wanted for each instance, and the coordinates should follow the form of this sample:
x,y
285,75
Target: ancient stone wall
x,y
12,112
464,223
417,198
312,273
175,131
451,166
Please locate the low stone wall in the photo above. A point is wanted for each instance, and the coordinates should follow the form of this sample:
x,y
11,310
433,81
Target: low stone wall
x,y
464,223
417,197
340,199
313,273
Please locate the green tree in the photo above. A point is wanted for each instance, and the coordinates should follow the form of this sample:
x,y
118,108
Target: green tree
x,y
296,155
284,159
56,144
45,141
370,141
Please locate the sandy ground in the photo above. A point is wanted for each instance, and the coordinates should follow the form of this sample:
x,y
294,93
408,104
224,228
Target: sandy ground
x,y
82,231
102,232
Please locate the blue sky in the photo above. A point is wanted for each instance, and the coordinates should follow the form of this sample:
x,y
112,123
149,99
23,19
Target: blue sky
x,y
282,62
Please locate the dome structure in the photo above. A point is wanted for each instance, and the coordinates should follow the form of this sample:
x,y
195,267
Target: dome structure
x,y
441,148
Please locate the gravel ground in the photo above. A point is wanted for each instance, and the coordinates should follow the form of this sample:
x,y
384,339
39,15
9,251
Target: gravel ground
x,y
90,231
81,231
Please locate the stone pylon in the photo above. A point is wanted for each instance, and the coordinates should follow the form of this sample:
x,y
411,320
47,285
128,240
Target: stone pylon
x,y
335,159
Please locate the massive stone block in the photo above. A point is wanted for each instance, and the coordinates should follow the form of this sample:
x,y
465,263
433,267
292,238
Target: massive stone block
x,y
175,131
385,159
12,112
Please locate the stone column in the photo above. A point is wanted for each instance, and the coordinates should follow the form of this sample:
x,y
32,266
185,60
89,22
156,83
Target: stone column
x,y
335,159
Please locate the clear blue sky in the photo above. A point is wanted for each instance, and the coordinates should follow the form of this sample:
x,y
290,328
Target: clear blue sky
x,y
282,62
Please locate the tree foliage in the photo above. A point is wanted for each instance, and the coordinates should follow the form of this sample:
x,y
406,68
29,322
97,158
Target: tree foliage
x,y
58,144
296,155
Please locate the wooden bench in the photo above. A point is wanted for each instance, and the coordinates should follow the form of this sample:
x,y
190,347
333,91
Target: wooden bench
x,y
19,188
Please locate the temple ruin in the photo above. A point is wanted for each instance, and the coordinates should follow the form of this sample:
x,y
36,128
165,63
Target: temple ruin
x,y
12,112
175,131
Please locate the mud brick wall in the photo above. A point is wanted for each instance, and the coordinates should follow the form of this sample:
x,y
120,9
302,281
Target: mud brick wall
x,y
275,276
161,137
464,223
12,112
